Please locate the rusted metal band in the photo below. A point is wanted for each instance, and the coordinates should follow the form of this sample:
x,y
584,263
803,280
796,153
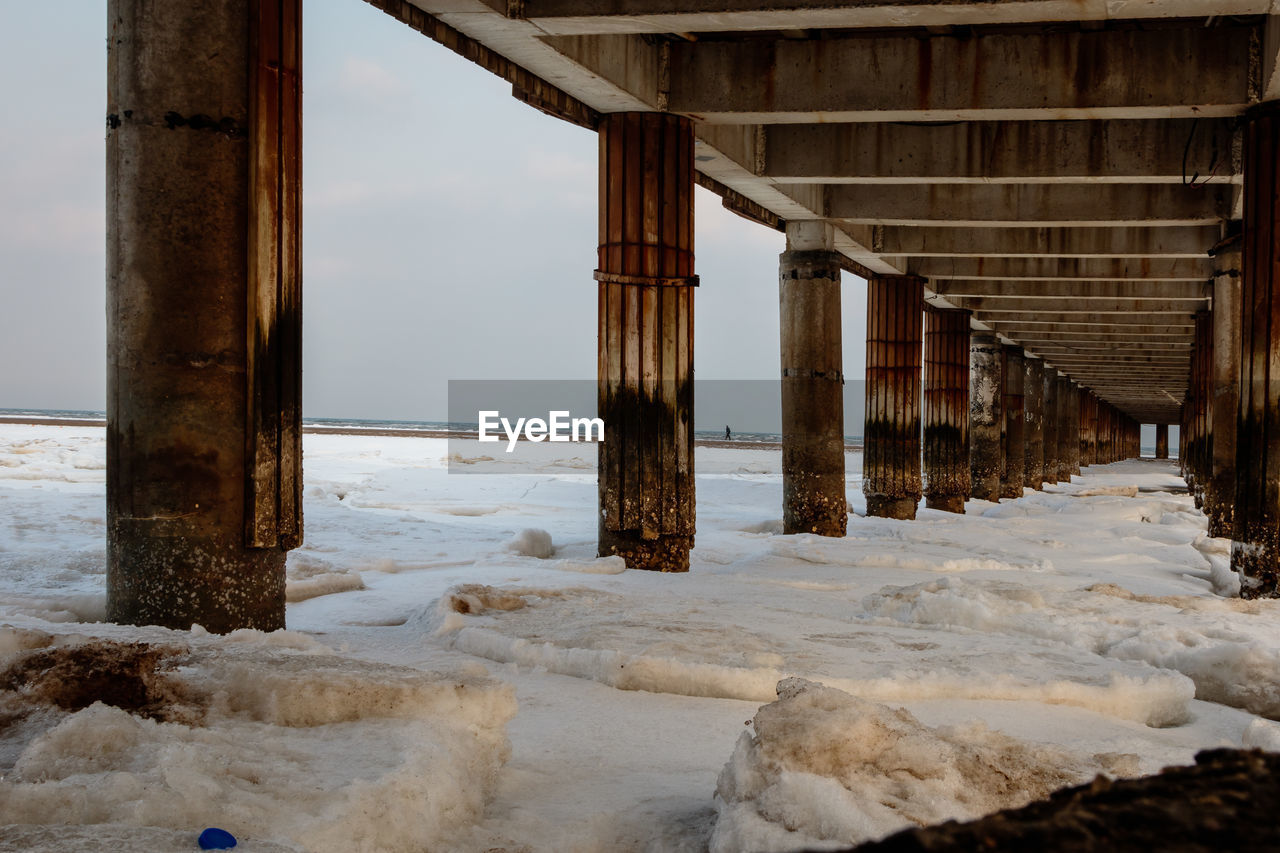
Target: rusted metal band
x,y
645,280
810,373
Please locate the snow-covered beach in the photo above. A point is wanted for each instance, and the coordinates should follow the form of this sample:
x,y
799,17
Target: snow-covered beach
x,y
461,673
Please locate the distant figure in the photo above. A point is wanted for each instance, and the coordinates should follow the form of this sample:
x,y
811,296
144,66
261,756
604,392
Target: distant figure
x,y
727,434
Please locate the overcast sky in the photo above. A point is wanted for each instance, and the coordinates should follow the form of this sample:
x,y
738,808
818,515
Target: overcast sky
x,y
449,230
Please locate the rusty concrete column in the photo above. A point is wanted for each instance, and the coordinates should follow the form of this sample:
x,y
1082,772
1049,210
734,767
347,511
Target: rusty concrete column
x,y
891,451
1072,416
1224,395
204,451
1200,437
946,408
645,369
1014,436
1050,398
986,455
1065,438
1033,420
1162,441
813,485
1255,551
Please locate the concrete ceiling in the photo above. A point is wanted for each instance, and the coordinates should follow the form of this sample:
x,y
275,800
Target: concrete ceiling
x,y
1059,167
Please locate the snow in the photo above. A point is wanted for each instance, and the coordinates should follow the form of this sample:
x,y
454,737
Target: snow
x,y
462,672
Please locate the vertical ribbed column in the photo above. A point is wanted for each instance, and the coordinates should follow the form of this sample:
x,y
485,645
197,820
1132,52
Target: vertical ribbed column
x,y
1200,438
204,288
1255,553
1033,434
1224,398
1050,398
1014,436
1071,445
813,496
946,408
986,454
891,454
1162,441
1065,438
645,367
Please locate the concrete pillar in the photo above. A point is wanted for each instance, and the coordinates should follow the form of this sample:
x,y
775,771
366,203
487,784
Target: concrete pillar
x,y
946,408
813,496
1224,396
1066,439
1050,397
1162,441
204,451
986,455
1014,472
1033,419
891,452
1255,552
1199,452
645,369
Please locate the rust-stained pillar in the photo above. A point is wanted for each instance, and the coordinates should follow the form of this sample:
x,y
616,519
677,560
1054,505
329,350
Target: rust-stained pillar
x,y
813,496
645,368
1255,552
891,451
985,420
1033,418
1200,437
1162,441
1224,395
1072,416
204,450
1082,424
1065,437
1014,472
946,408
1050,398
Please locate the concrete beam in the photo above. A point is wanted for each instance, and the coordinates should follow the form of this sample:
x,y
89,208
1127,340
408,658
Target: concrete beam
x,y
575,17
1115,312
1195,290
1077,269
1023,204
1192,241
1189,72
1171,151
1064,360
1153,334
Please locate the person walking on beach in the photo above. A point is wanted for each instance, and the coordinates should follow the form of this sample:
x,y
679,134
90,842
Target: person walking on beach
x,y
727,434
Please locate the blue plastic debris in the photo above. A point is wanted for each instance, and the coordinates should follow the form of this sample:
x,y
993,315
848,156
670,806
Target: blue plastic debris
x,y
216,839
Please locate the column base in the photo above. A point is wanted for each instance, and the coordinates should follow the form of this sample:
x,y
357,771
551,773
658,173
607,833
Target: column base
x,y
986,492
883,506
177,581
1036,483
825,513
1221,524
668,553
1008,491
1259,570
946,503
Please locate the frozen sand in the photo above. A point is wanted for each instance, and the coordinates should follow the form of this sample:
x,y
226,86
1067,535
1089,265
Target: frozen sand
x,y
1082,625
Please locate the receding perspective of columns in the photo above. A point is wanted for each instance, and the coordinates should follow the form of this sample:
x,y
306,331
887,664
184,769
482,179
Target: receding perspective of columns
x,y
891,437
1066,438
646,286
1162,441
1224,394
1033,418
204,311
813,496
1013,475
946,408
985,420
1255,551
1050,404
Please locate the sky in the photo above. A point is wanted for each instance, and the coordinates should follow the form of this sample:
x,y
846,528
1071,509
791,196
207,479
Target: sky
x,y
449,230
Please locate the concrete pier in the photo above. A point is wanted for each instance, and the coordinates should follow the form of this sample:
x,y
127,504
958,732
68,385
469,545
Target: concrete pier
x,y
1199,427
1033,418
813,484
891,450
1224,395
204,300
646,287
1051,423
946,408
1255,551
1067,442
1162,441
1014,458
986,453
1073,439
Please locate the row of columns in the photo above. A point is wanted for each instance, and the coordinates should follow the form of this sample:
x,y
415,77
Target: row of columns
x,y
204,356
